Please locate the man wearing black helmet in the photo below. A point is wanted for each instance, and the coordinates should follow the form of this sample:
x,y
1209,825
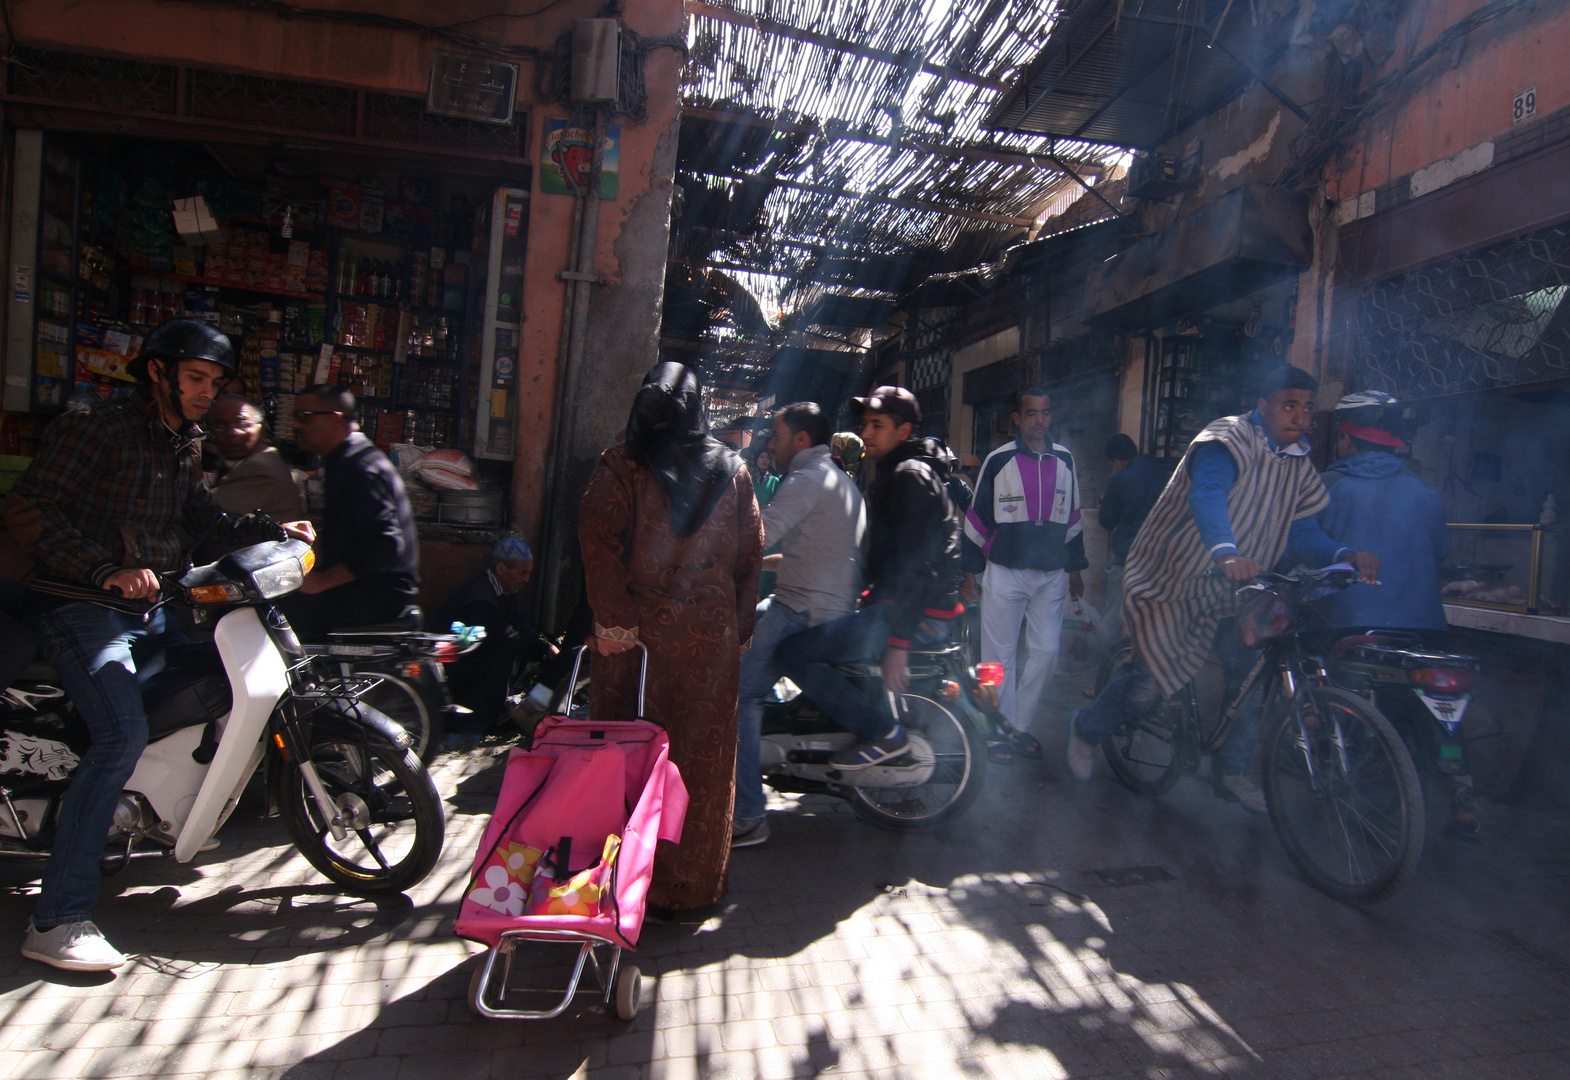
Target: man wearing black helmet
x,y
103,504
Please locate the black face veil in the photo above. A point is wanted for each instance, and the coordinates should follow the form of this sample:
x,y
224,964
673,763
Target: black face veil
x,y
668,434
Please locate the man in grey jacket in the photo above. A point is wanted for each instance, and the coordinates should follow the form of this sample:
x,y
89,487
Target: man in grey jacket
x,y
818,523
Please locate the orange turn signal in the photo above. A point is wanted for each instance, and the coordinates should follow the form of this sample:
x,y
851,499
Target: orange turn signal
x,y
217,594
948,690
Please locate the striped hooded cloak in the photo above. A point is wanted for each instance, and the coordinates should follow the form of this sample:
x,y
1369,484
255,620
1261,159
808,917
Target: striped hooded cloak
x,y
1171,604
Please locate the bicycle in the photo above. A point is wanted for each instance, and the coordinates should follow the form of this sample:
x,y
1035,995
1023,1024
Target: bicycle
x,y
1342,791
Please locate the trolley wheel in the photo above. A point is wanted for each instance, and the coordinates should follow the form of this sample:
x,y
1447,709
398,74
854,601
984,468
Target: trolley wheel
x,y
629,992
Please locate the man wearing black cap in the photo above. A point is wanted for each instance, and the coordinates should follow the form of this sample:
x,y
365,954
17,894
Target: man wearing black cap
x,y
913,577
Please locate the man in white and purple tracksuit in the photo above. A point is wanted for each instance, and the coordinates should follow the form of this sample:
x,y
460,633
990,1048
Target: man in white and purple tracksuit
x,y
1024,537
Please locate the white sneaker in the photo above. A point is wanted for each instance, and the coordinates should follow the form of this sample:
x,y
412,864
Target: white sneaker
x,y
78,946
1245,791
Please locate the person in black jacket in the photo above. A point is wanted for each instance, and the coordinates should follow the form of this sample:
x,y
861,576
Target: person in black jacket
x,y
913,577
1131,491
367,555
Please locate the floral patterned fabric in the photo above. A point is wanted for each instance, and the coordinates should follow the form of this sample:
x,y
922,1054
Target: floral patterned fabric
x,y
520,878
690,599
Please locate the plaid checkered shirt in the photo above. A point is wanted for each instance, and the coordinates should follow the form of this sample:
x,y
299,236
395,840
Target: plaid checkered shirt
x,y
112,484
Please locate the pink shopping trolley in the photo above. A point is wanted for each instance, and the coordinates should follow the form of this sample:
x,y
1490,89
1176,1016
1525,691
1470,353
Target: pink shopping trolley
x,y
569,852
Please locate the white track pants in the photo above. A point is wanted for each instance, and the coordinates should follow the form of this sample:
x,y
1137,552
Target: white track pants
x,y
1034,597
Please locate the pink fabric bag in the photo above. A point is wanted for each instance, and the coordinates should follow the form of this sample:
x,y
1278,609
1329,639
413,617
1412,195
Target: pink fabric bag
x,y
571,843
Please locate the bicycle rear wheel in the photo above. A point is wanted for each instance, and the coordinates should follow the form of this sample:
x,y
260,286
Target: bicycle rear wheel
x,y
1344,797
1144,754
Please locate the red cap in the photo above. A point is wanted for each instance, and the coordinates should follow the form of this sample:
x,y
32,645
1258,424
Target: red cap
x,y
1377,436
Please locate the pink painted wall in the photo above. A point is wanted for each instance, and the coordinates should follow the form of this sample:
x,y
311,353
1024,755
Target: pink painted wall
x,y
1461,106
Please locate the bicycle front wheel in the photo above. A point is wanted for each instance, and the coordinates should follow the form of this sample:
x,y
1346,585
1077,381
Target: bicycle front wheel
x,y
1344,797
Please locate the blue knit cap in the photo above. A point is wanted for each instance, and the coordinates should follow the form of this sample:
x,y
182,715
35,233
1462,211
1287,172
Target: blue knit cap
x,y
511,549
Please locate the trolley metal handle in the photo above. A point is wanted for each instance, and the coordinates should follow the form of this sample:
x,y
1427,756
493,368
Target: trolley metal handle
x,y
643,673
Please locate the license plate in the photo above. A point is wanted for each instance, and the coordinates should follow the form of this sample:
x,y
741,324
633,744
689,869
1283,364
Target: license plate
x,y
1447,709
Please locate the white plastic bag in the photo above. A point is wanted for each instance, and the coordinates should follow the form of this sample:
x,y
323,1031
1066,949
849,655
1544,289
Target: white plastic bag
x,y
1086,634
405,456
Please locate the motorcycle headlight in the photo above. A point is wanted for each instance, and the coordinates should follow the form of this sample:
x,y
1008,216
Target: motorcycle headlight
x,y
278,579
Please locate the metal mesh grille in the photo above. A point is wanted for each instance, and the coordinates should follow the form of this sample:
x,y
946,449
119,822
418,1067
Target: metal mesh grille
x,y
246,99
928,347
1489,318
392,118
91,80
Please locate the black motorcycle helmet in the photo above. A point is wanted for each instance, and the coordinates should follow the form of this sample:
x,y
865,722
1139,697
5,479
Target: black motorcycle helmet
x,y
177,340
183,339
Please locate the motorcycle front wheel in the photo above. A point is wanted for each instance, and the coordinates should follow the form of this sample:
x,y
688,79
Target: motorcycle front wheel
x,y
1344,797
386,800
959,751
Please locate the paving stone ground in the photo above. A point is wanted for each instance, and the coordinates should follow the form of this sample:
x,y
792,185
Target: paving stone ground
x,y
1013,944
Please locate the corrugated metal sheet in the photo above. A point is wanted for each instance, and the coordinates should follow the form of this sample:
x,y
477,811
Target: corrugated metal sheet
x,y
1135,74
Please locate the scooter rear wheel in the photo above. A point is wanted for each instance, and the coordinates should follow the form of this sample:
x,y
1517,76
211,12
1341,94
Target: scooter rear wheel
x,y
388,801
416,708
961,754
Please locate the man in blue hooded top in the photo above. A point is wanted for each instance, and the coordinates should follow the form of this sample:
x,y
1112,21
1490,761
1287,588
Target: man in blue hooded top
x,y
1378,505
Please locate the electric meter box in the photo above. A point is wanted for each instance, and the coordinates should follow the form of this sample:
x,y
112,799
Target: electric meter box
x,y
596,61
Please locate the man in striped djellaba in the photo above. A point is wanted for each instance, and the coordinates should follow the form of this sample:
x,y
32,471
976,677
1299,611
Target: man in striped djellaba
x,y
1243,492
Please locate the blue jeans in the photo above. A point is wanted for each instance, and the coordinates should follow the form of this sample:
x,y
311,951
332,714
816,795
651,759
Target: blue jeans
x,y
96,652
1133,693
808,658
774,623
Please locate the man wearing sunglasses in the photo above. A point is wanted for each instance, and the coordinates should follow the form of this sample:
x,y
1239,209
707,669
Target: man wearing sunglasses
x,y
367,556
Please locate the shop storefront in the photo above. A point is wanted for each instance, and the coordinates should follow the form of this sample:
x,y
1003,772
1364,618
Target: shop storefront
x,y
397,275
1471,330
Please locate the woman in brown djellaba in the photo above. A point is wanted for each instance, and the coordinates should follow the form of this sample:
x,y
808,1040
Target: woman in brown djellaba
x,y
672,548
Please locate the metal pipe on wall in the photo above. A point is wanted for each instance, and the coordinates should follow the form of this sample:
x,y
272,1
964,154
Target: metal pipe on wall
x,y
557,543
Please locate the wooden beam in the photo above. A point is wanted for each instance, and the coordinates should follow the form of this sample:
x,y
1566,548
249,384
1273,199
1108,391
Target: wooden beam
x,y
882,200
924,146
839,44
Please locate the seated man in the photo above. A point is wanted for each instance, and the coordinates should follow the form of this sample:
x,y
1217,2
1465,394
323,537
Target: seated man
x,y
913,577
492,599
367,557
818,523
1244,488
252,474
